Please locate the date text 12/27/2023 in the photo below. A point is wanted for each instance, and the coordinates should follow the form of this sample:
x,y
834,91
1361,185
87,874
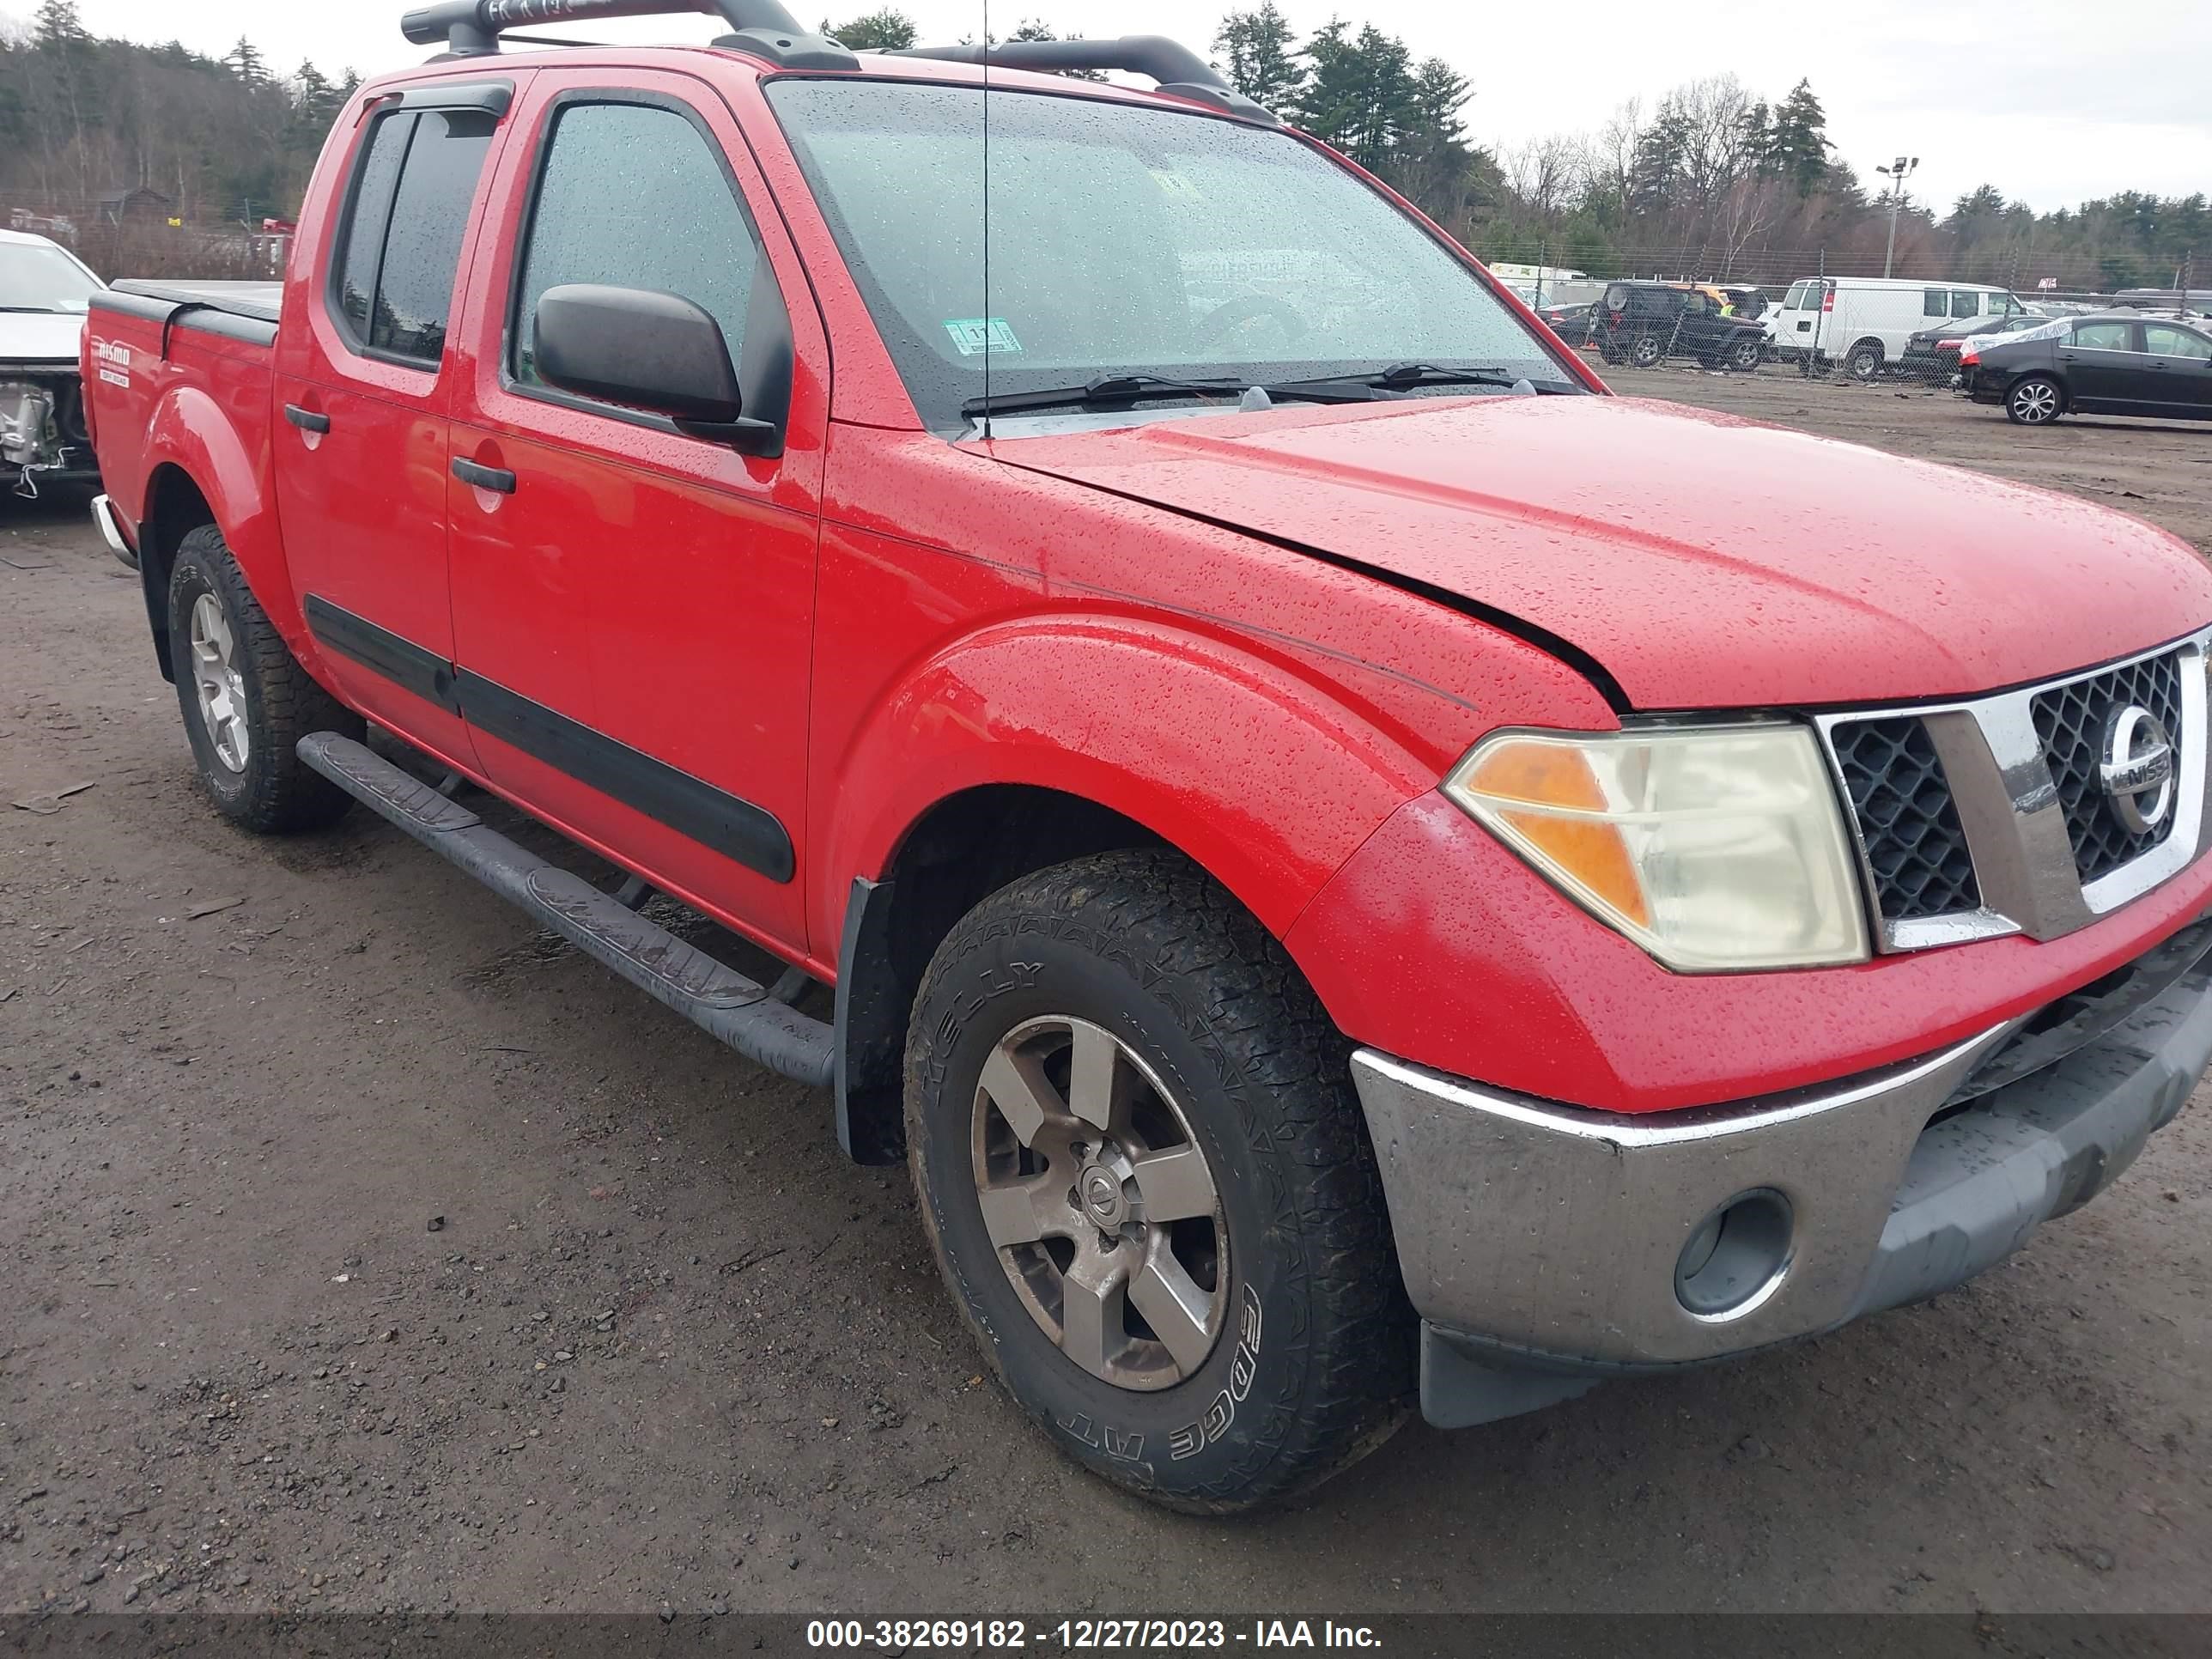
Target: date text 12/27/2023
x,y
1085,1635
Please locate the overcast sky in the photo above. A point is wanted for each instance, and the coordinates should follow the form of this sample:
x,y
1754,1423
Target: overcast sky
x,y
2055,101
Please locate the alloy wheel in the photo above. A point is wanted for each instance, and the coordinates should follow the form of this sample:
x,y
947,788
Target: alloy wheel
x,y
2035,403
220,687
1100,1203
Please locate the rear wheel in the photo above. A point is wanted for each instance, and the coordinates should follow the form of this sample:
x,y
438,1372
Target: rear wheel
x,y
1147,1181
247,702
2034,400
1647,351
1866,359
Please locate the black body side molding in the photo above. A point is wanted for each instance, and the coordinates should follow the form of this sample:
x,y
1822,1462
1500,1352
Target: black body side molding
x,y
730,824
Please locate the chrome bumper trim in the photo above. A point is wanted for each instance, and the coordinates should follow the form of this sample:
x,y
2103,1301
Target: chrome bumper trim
x,y
1556,1231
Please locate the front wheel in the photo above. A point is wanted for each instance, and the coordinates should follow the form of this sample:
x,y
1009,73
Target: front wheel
x,y
1744,356
2034,400
1147,1180
247,702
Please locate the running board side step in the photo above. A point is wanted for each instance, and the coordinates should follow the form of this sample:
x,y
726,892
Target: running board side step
x,y
718,999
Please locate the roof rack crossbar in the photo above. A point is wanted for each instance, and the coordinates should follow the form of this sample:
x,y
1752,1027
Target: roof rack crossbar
x,y
762,29
1175,67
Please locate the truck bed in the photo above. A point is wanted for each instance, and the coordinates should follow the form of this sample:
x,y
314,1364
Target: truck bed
x,y
261,303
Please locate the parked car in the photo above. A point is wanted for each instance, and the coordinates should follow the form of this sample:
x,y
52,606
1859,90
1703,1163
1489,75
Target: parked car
x,y
43,291
1274,808
1644,323
1932,355
1867,323
1572,324
2115,364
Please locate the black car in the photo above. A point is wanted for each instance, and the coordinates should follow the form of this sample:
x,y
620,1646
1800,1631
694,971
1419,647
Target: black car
x,y
1571,322
1932,355
2099,365
1644,323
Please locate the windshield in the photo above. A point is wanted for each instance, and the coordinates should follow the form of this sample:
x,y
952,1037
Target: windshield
x,y
35,278
1125,240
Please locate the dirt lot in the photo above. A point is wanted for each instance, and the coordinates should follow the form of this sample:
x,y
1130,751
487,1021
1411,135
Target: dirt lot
x,y
361,1249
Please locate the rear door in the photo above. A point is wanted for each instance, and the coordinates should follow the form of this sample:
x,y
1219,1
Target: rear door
x,y
2103,367
633,613
363,382
2180,366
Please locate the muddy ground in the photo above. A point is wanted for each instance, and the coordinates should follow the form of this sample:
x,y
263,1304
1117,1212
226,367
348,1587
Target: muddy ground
x,y
360,1249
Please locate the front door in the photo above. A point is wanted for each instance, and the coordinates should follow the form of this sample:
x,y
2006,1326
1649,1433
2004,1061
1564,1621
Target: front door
x,y
2103,367
363,387
633,607
2179,366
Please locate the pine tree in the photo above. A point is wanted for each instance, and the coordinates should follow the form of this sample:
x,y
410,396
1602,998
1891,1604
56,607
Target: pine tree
x,y
56,27
1262,61
246,62
886,30
1796,143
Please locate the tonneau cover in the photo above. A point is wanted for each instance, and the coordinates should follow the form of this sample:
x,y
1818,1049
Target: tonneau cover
x,y
262,301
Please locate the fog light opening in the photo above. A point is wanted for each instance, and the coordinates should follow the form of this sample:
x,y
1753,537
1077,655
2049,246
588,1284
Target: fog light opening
x,y
1736,1256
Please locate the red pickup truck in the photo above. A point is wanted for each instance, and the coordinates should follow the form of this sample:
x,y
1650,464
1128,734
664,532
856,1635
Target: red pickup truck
x,y
1353,865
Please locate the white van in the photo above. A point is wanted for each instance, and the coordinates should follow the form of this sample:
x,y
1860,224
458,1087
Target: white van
x,y
1864,322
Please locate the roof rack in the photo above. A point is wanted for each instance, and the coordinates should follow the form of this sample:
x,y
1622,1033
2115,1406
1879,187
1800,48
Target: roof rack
x,y
763,28
1178,70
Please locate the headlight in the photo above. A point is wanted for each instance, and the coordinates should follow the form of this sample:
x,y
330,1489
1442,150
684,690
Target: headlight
x,y
1715,849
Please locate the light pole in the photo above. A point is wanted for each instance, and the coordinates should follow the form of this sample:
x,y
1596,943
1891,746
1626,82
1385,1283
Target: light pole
x,y
1898,171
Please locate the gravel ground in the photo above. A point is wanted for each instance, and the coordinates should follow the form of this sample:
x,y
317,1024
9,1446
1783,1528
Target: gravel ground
x,y
361,1249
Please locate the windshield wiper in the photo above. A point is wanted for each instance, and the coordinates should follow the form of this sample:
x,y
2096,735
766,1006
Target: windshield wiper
x,y
1119,390
1405,377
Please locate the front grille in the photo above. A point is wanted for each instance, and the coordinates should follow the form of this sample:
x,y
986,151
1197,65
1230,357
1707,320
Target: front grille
x,y
2071,720
1914,844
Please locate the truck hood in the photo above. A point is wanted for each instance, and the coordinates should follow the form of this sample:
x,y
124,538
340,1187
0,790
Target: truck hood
x,y
1703,561
39,337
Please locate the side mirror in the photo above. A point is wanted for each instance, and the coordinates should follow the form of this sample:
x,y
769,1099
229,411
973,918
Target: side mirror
x,y
648,350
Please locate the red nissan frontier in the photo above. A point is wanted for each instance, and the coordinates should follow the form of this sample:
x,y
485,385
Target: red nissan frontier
x,y
1353,865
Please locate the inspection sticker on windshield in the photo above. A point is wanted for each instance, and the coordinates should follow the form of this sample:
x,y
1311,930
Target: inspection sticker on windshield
x,y
974,336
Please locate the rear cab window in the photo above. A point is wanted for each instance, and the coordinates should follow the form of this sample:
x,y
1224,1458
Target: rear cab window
x,y
407,213
1124,240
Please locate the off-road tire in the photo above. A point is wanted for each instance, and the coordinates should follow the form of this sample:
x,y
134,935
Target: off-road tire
x,y
1315,1367
275,795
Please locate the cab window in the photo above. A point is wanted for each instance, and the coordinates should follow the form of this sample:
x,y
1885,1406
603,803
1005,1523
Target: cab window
x,y
634,195
401,246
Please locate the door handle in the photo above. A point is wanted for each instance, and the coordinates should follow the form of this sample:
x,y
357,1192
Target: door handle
x,y
306,419
495,479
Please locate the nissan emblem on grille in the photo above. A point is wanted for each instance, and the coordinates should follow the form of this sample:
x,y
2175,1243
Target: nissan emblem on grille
x,y
2137,761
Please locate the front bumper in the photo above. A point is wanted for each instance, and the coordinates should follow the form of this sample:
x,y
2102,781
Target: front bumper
x,y
1542,1245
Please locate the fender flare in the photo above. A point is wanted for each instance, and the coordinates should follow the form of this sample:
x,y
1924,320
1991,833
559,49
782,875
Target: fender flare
x,y
1265,776
194,434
